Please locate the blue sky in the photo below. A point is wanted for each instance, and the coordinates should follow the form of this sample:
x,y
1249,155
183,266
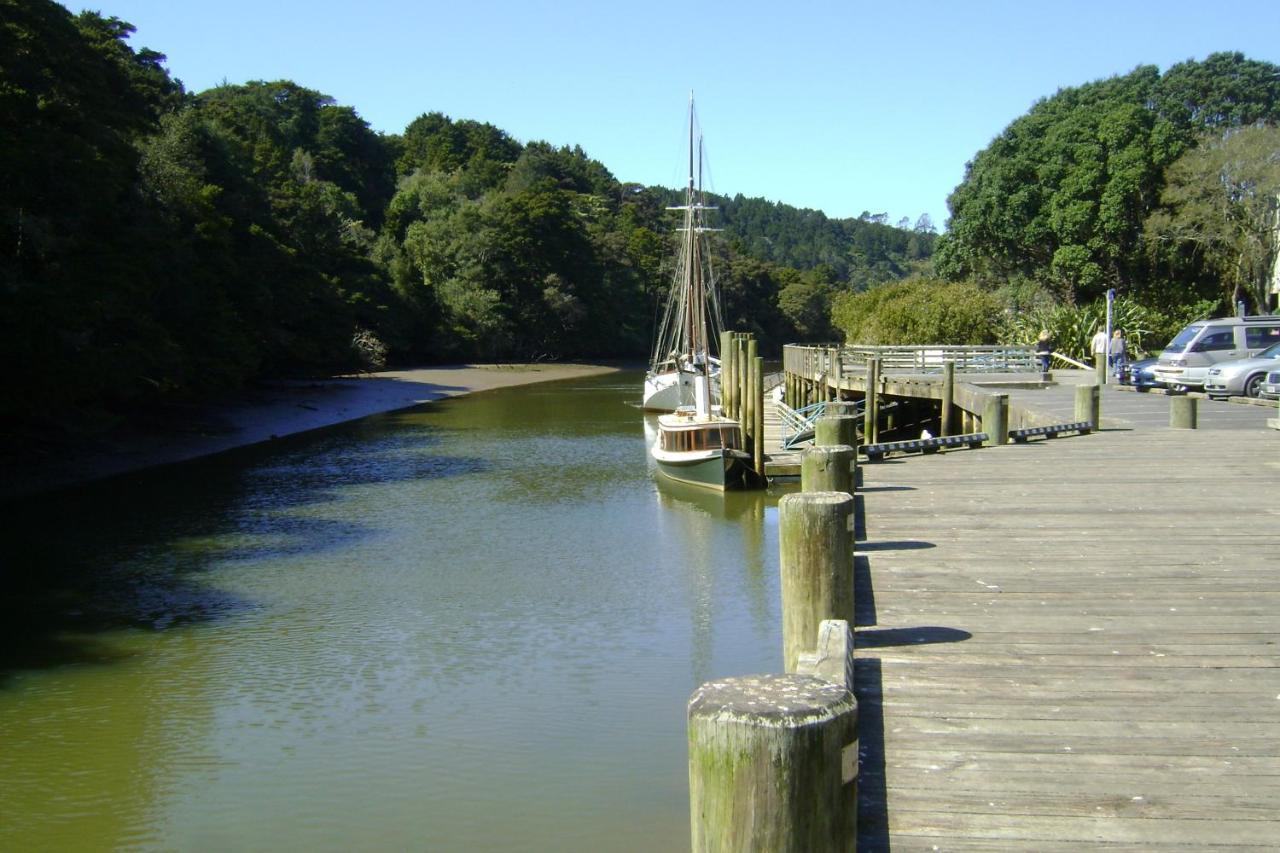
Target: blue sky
x,y
840,106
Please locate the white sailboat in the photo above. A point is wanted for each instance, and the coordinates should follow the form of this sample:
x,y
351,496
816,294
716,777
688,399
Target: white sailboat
x,y
700,446
691,323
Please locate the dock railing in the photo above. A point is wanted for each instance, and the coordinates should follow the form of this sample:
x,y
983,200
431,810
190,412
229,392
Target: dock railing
x,y
996,358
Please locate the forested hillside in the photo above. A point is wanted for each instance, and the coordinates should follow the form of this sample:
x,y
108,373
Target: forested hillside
x,y
155,241
1093,189
1164,188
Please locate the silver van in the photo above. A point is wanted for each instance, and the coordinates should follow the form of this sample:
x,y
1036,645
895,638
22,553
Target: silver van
x,y
1187,358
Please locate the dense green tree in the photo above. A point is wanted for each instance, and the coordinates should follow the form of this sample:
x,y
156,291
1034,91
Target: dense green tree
x,y
1222,199
1061,196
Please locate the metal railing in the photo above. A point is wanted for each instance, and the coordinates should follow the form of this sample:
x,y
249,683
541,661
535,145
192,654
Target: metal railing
x,y
798,424
829,363
1017,358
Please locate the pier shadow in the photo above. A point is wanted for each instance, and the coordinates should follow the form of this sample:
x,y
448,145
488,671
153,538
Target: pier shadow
x,y
873,800
873,797
900,545
879,638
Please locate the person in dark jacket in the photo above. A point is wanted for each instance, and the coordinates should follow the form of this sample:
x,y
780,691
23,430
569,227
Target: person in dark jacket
x,y
1044,349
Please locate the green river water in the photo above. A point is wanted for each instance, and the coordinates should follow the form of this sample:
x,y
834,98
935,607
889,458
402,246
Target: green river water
x,y
470,626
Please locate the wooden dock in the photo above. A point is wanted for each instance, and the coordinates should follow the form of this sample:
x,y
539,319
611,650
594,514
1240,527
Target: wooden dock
x,y
1073,643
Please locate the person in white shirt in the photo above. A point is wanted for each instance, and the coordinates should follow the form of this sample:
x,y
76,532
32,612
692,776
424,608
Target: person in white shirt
x,y
1100,343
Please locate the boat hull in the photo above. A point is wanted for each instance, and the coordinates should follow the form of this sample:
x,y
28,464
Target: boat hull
x,y
722,470
666,392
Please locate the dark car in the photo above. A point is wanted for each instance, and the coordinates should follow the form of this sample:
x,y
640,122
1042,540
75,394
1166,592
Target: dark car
x,y
1139,374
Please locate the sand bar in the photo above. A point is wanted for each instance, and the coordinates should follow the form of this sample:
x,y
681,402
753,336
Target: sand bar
x,y
271,410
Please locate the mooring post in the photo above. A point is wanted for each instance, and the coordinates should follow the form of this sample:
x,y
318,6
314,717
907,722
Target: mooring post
x,y
726,373
995,420
829,468
773,763
837,372
815,544
1088,405
948,396
1182,412
836,429
871,416
1100,367
758,414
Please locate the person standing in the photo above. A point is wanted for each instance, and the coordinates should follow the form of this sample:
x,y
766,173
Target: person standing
x,y
1044,349
1118,349
1099,345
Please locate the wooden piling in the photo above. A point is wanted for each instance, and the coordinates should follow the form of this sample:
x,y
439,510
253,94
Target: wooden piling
x,y
871,416
829,468
1088,406
836,429
758,415
1182,412
726,373
815,544
773,765
837,372
995,420
948,396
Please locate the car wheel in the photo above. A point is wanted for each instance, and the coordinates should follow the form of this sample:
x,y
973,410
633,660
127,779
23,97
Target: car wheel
x,y
1253,385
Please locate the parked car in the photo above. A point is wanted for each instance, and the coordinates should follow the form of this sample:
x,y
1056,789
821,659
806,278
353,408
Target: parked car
x,y
1186,360
1243,377
1271,385
1140,374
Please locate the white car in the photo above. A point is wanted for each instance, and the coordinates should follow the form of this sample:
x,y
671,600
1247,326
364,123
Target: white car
x,y
1242,377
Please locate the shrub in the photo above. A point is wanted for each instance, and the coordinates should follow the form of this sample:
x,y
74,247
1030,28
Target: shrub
x,y
918,311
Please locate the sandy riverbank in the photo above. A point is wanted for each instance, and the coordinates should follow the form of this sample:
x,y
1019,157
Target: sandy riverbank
x,y
271,410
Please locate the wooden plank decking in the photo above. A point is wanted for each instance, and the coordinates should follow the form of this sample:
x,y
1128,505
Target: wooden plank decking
x,y
1072,644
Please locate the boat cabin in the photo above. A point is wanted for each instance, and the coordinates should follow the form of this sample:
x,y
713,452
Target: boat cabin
x,y
700,436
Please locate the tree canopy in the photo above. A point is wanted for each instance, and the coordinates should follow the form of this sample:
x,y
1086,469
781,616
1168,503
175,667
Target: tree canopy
x,y
1062,195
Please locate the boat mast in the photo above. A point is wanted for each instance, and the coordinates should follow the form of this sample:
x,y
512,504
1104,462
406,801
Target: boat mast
x,y
693,263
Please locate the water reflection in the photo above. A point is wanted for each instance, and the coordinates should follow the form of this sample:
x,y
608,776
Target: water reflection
x,y
474,624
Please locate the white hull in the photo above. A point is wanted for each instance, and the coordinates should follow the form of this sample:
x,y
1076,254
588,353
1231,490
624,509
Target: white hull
x,y
666,392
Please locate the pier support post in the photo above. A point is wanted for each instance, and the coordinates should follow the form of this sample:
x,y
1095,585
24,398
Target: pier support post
x,y
836,429
995,420
1088,405
837,372
815,544
726,373
773,765
948,397
829,468
871,416
758,414
1182,412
